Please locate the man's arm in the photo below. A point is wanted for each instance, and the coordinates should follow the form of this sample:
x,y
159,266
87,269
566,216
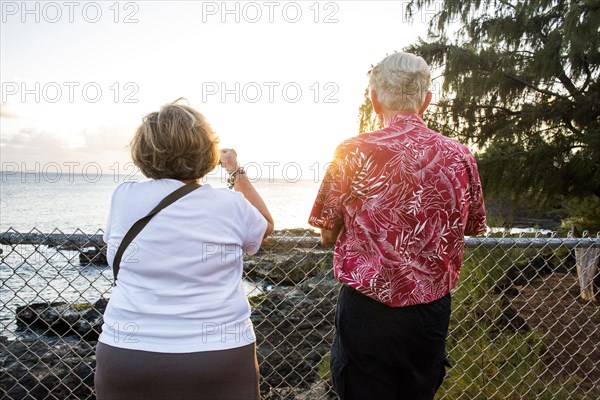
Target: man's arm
x,y
328,238
327,209
476,223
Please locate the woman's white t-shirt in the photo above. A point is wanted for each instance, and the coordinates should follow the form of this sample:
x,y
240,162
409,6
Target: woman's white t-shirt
x,y
180,281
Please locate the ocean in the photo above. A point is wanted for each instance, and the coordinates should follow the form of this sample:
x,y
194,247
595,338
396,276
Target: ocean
x,y
74,201
70,203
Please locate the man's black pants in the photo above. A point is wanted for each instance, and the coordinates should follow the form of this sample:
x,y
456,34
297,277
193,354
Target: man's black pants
x,y
381,352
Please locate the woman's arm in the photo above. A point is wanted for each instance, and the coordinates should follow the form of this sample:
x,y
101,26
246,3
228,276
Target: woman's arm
x,y
242,184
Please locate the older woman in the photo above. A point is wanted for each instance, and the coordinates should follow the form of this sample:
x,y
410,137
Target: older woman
x,y
397,203
177,324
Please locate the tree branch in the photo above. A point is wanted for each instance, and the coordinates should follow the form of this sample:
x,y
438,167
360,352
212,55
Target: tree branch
x,y
588,77
570,126
502,159
567,83
506,3
532,86
505,109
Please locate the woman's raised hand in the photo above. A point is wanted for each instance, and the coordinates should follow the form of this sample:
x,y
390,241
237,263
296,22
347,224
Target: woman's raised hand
x,y
229,160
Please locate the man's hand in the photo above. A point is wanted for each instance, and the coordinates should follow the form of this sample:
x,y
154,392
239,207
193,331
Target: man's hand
x,y
328,238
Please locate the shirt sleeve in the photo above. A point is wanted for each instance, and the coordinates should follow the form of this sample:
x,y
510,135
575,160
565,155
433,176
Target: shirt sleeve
x,y
106,234
107,227
254,227
327,209
476,223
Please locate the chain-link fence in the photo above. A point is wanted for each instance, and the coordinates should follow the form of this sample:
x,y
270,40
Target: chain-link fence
x,y
519,327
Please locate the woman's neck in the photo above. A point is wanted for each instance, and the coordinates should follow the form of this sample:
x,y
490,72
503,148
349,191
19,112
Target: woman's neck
x,y
186,181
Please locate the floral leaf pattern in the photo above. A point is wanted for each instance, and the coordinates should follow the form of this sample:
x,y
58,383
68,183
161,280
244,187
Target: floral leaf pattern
x,y
404,197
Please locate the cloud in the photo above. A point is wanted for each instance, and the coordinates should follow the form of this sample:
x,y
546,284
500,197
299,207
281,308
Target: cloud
x,y
31,147
6,113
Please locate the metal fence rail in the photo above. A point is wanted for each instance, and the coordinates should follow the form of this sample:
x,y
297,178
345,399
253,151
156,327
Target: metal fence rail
x,y
519,328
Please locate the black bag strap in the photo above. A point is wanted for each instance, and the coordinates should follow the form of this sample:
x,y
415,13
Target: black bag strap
x,y
142,222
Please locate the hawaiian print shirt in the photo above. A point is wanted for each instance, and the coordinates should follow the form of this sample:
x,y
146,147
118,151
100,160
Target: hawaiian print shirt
x,y
404,198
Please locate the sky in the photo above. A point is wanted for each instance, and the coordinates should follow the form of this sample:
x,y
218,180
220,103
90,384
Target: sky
x,y
279,81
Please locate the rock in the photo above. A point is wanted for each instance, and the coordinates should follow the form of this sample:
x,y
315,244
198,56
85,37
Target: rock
x,y
61,319
296,232
288,269
94,256
289,240
511,320
294,328
36,368
294,331
320,390
524,273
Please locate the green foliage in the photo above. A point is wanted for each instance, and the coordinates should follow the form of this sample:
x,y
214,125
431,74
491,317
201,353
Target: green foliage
x,y
520,84
496,220
82,306
491,361
325,264
367,121
323,371
584,213
255,301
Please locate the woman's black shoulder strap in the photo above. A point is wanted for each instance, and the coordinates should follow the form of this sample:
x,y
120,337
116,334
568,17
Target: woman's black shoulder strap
x,y
142,222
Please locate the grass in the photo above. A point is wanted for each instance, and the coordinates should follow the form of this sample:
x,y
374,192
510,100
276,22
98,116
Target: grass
x,y
82,306
323,371
491,361
256,300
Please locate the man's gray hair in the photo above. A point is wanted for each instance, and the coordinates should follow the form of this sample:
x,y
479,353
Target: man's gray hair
x,y
401,81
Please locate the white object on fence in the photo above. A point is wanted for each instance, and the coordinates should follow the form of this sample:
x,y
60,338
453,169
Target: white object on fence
x,y
587,268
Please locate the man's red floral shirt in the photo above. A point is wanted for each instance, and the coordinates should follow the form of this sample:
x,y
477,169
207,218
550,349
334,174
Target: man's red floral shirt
x,y
404,197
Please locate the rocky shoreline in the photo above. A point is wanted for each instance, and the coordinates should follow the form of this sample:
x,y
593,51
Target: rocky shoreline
x,y
54,356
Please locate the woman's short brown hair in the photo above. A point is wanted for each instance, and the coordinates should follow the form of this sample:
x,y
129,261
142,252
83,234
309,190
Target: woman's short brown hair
x,y
176,142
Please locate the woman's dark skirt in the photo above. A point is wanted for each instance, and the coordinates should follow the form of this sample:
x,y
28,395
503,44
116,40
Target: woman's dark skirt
x,y
134,374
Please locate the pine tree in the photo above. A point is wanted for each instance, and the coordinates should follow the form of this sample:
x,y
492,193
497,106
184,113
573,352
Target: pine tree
x,y
520,85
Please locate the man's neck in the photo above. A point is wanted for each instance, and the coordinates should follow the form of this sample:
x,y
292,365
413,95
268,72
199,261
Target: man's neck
x,y
388,116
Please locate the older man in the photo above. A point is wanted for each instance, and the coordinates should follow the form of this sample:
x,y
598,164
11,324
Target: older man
x,y
397,203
